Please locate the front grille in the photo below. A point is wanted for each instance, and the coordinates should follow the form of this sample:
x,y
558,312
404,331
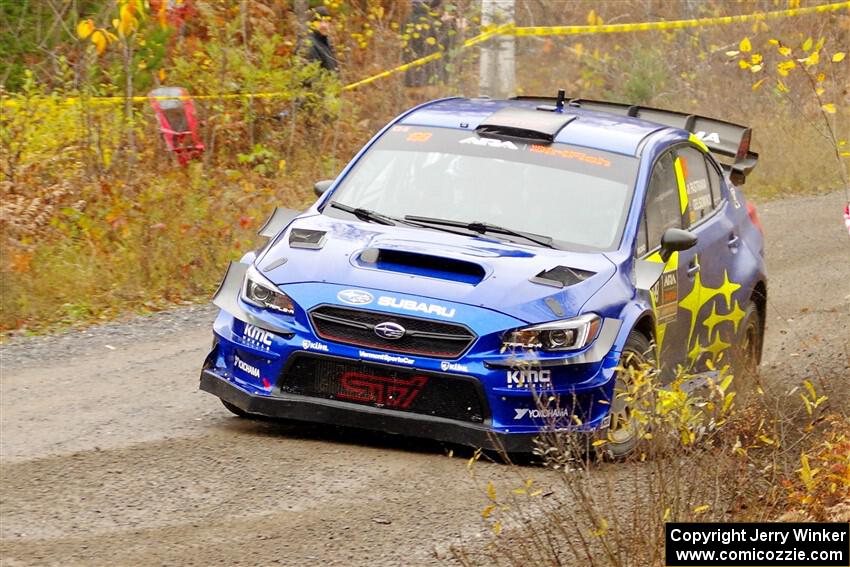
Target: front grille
x,y
422,336
382,386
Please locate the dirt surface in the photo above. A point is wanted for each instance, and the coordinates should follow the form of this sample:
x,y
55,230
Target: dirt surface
x,y
109,455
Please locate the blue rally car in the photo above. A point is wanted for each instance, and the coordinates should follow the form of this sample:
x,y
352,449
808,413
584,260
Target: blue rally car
x,y
478,253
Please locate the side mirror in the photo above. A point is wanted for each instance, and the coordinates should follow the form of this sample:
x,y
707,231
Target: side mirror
x,y
321,186
676,240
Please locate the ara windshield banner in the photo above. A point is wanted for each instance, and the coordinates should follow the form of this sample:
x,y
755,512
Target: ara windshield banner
x,y
757,544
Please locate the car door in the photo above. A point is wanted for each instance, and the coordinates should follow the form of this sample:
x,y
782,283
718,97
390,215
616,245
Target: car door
x,y
665,207
718,312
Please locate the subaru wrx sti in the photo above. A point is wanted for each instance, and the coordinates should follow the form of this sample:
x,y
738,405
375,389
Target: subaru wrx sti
x,y
478,252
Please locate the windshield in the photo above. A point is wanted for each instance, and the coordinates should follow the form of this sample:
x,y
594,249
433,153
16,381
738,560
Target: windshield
x,y
577,196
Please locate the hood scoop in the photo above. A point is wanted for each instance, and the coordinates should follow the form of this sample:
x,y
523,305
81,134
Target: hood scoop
x,y
561,276
306,238
423,265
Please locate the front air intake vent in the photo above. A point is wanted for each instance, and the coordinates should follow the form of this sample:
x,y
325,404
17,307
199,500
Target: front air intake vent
x,y
561,276
418,264
306,238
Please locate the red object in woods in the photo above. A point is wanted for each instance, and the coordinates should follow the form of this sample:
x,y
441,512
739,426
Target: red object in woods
x,y
172,12
175,114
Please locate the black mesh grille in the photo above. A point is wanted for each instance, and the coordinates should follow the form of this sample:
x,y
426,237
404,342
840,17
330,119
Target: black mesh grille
x,y
383,386
422,336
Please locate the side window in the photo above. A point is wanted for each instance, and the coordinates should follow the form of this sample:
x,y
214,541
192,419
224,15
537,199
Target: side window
x,y
662,210
697,186
716,181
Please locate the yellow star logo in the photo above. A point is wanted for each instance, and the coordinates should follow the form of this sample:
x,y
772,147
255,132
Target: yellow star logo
x,y
735,316
727,289
716,347
698,349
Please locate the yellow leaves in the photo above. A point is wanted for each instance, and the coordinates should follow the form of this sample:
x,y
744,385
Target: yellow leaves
x,y
473,459
838,57
743,64
812,59
727,402
431,41
756,58
593,19
702,508
601,528
807,474
745,46
85,28
766,440
491,491
130,13
488,511
497,528
101,39
760,26
599,442
813,401
807,45
786,51
785,66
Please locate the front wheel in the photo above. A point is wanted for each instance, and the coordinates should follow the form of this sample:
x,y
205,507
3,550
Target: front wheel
x,y
239,412
622,434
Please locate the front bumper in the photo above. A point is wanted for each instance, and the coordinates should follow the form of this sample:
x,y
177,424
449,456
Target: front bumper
x,y
254,366
317,410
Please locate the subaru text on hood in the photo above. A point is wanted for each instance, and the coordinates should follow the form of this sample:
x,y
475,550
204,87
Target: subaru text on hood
x,y
478,253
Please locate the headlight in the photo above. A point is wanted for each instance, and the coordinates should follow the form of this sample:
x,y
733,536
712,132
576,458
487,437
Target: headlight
x,y
569,334
259,291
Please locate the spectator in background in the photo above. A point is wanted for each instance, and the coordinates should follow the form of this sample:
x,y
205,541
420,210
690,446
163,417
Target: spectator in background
x,y
318,46
419,16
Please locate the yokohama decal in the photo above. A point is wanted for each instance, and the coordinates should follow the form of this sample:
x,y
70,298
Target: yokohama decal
x,y
382,391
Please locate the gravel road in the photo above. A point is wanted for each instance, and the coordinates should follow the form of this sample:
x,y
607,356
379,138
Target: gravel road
x,y
109,455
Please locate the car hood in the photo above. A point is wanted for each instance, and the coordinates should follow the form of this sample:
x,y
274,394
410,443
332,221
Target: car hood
x,y
529,283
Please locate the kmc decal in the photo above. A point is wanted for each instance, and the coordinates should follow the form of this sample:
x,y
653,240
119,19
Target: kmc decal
x,y
524,378
257,337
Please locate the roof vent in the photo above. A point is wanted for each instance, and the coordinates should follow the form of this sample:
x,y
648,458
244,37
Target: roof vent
x,y
525,124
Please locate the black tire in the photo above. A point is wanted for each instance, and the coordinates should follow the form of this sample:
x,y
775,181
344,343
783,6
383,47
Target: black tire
x,y
239,412
622,435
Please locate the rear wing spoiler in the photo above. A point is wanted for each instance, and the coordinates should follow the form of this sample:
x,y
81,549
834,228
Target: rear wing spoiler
x,y
729,142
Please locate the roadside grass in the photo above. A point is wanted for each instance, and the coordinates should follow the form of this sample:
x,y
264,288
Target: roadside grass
x,y
782,455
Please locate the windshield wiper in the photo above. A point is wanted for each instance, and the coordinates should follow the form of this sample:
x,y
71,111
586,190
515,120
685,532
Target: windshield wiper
x,y
365,214
483,227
